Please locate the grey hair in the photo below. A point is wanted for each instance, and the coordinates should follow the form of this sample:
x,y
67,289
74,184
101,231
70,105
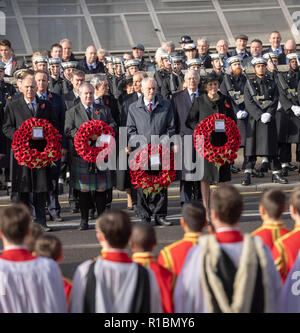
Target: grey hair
x,y
192,71
97,80
85,84
203,39
143,74
148,79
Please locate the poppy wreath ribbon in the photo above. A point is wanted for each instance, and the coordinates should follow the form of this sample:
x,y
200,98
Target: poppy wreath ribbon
x,y
217,155
81,141
31,157
152,184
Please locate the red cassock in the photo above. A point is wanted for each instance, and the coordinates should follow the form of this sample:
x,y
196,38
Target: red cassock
x,y
17,255
164,278
269,232
285,251
172,256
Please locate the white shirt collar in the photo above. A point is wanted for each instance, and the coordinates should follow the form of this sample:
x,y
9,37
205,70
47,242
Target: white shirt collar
x,y
93,65
139,94
147,103
195,92
76,95
9,62
27,102
279,49
224,229
86,107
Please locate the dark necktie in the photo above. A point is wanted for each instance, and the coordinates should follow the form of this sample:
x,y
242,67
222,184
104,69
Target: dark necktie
x,y
150,107
193,97
88,111
31,108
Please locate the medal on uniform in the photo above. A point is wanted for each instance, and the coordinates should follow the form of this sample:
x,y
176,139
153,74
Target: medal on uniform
x,y
219,125
37,133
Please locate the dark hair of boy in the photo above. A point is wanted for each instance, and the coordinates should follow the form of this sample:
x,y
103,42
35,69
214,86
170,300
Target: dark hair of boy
x,y
30,240
295,199
48,246
273,202
227,203
116,227
194,215
14,223
143,236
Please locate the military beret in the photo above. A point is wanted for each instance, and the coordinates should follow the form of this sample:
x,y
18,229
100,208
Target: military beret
x,y
19,73
185,39
132,62
233,59
193,62
54,61
270,54
241,36
40,59
69,64
259,60
291,56
2,65
139,46
189,47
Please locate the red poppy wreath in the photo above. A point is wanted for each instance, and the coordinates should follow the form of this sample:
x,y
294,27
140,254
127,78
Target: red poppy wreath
x,y
152,184
217,155
81,141
31,157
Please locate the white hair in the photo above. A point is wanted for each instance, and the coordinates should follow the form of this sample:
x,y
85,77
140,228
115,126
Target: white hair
x,y
85,85
203,39
193,72
148,79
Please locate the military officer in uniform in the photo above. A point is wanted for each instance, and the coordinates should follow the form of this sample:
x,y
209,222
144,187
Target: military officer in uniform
x,y
289,112
116,79
174,81
233,86
55,80
261,101
40,63
132,66
164,72
67,68
217,65
6,92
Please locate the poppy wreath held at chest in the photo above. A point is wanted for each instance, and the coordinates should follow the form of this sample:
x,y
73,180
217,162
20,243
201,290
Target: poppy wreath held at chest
x,y
31,157
81,141
152,184
217,155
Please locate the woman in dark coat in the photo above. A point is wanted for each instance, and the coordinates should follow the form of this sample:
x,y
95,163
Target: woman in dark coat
x,y
210,102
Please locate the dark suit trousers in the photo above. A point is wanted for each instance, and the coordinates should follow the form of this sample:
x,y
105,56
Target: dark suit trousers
x,y
147,207
189,190
39,203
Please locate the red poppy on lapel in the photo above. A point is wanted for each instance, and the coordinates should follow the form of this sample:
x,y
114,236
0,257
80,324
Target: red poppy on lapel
x,y
96,112
43,106
227,105
107,102
50,95
14,63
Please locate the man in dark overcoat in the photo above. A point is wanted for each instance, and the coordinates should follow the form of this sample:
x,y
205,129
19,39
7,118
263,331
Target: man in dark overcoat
x,y
26,181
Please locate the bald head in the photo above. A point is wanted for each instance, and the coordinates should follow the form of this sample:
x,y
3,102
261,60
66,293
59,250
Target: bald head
x,y
91,54
290,46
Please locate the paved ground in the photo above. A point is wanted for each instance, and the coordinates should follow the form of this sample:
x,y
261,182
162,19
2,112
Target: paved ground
x,y
82,245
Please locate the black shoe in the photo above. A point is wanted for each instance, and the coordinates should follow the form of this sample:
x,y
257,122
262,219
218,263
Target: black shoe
x,y
264,167
257,173
292,167
92,215
276,178
234,169
162,221
145,221
46,228
246,179
284,172
83,225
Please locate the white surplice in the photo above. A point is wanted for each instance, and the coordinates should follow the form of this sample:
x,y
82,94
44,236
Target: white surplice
x,y
115,287
31,286
189,295
291,289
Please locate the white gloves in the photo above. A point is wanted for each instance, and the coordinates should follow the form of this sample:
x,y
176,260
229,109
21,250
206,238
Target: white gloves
x,y
242,114
265,117
296,110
